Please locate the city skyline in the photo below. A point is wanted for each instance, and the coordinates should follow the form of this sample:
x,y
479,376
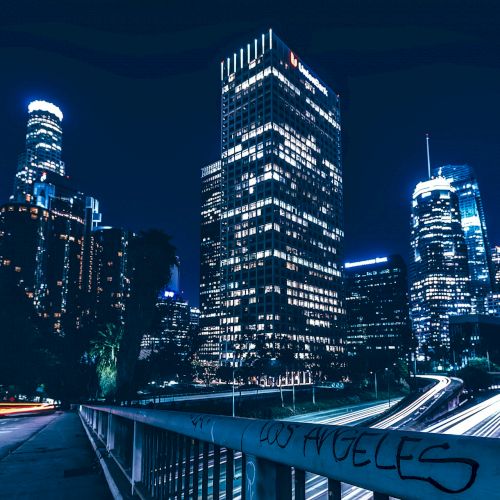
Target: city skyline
x,y
421,74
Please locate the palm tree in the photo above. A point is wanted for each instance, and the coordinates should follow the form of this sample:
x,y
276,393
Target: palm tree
x,y
105,351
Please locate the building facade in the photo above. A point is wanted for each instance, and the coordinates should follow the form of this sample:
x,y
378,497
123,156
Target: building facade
x,y
43,149
474,335
463,179
495,258
440,283
210,272
58,223
281,209
109,278
377,306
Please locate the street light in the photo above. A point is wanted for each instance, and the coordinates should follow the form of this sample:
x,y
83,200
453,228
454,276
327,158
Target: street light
x,y
375,383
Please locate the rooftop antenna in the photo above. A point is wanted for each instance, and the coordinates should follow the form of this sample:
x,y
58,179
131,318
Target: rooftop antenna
x,y
428,156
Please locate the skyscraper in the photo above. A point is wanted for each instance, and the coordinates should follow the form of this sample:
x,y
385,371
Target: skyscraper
x,y
58,220
440,281
110,280
43,151
377,306
210,330
495,257
463,179
281,208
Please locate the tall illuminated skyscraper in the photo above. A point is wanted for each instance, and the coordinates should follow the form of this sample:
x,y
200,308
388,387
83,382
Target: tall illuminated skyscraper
x,y
54,268
440,284
42,156
282,209
463,179
495,257
210,274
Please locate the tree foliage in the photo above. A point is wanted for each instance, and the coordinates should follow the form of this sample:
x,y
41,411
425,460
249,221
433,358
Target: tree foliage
x,y
104,350
150,258
475,375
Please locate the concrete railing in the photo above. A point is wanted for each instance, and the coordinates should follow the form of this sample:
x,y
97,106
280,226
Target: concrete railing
x,y
190,455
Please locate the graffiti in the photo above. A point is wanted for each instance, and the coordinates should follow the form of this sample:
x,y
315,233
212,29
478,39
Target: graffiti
x,y
362,448
408,456
277,432
199,421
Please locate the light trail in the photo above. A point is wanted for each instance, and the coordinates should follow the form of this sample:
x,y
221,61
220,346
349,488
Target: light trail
x,y
8,409
482,420
398,419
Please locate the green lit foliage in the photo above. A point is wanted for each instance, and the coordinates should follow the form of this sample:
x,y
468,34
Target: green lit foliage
x,y
105,351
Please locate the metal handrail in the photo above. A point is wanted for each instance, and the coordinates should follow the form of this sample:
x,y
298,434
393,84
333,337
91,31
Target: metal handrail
x,y
409,465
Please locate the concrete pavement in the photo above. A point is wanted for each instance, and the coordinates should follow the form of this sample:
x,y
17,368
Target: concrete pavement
x,y
51,458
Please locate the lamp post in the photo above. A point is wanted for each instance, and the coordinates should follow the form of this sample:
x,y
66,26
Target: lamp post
x,y
375,383
388,386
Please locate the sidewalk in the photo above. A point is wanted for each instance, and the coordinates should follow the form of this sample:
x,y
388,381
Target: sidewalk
x,y
55,463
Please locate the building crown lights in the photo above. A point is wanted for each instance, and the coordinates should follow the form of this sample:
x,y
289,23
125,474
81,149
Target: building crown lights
x,y
435,184
377,260
45,106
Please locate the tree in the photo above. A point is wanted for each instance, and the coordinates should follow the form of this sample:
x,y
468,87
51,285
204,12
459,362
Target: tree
x,y
23,360
475,375
105,351
150,258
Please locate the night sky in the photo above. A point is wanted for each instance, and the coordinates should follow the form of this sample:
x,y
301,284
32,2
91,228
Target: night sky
x,y
140,91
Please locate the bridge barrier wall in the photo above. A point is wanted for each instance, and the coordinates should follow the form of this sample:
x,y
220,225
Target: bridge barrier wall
x,y
168,454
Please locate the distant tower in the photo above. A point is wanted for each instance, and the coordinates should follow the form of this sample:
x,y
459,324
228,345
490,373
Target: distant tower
x,y
377,306
440,276
42,156
210,274
463,179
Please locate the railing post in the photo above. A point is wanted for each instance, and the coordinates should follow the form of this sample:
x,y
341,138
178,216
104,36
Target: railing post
x,y
137,454
267,480
334,489
110,435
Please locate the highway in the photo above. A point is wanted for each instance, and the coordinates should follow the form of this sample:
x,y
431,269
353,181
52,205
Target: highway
x,y
211,395
316,486
482,419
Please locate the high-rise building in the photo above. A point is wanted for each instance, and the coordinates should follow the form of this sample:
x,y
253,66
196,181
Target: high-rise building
x,y
24,235
440,280
463,179
59,219
176,323
377,305
495,258
110,281
210,330
281,209
43,149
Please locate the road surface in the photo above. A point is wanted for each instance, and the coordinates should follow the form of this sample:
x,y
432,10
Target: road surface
x,y
15,431
208,395
482,419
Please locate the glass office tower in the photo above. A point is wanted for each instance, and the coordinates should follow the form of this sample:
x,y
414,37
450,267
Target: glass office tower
x,y
42,156
209,328
440,281
282,208
463,179
495,257
377,305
